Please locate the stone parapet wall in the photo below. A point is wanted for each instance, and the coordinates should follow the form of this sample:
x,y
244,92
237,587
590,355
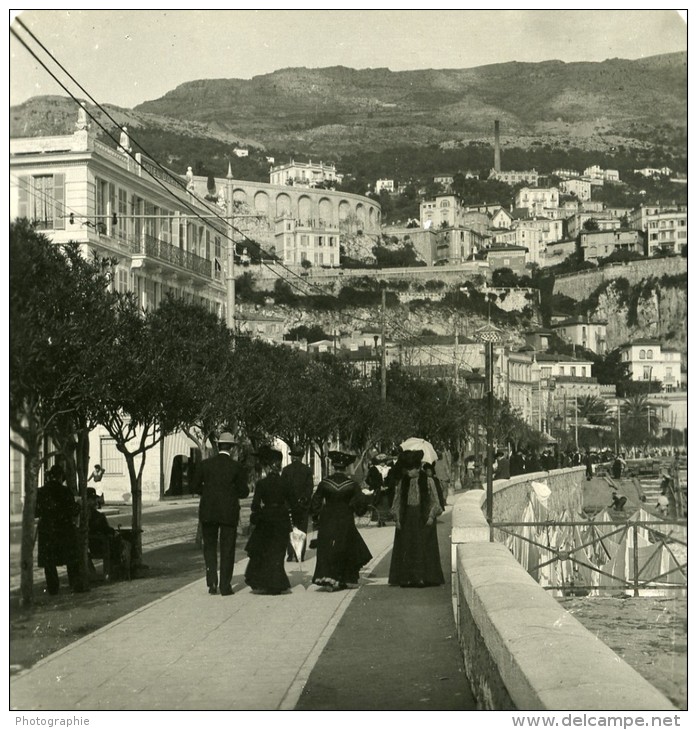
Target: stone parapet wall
x,y
521,649
579,285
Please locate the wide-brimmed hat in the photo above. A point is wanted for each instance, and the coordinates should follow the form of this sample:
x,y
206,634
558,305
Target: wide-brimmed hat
x,y
411,459
56,472
382,458
341,458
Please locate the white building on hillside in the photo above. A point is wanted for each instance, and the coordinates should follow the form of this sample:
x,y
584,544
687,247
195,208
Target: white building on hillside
x,y
304,174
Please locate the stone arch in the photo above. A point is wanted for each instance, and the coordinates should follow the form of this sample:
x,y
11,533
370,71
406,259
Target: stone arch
x,y
344,210
261,202
239,196
283,206
371,216
326,211
305,208
360,214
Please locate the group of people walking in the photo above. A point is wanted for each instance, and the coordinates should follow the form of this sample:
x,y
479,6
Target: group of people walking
x,y
284,499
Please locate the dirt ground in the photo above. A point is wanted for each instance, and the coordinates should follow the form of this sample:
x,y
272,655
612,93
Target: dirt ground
x,y
649,633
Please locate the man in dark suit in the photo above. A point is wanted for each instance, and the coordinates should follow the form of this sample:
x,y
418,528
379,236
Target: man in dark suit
x,y
221,482
299,480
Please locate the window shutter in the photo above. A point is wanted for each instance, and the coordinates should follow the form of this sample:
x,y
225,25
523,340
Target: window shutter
x,y
58,201
24,181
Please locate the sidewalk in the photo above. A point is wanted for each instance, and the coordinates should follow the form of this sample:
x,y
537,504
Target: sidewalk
x,y
193,651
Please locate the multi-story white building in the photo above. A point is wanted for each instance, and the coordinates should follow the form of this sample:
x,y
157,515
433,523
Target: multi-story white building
x,y
583,332
515,177
384,184
648,360
298,241
579,187
537,200
605,221
535,234
600,244
445,180
665,227
307,174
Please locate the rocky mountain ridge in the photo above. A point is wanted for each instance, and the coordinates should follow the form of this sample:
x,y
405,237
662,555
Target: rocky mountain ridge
x,y
331,110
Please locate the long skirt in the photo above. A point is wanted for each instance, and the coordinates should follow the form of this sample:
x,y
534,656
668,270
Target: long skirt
x,y
341,551
415,554
267,551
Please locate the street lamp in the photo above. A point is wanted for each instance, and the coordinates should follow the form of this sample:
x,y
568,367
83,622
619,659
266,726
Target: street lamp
x,y
475,386
490,336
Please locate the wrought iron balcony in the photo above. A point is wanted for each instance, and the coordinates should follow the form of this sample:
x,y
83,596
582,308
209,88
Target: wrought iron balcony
x,y
162,251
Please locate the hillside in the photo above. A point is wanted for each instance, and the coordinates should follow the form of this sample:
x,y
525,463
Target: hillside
x,y
332,107
333,111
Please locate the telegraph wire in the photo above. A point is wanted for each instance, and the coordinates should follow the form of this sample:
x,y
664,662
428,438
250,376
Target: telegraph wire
x,y
410,335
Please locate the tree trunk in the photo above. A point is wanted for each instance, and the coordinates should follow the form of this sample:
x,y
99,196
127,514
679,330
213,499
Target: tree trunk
x,y
137,507
32,464
82,457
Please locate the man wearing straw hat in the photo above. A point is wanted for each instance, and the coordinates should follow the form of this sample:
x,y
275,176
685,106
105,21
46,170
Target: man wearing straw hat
x,y
221,482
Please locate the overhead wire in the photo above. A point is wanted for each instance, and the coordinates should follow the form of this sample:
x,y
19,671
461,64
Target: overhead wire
x,y
174,179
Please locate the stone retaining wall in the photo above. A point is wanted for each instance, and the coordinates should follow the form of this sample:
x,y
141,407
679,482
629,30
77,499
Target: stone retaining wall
x,y
521,649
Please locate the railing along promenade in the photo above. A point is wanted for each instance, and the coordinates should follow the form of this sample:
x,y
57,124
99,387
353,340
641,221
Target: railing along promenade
x,y
521,649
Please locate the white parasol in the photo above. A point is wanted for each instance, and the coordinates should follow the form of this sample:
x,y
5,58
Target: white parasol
x,y
417,444
297,540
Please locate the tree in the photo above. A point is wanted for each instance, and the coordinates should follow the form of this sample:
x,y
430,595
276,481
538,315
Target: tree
x,y
138,406
56,300
199,347
591,225
591,409
639,420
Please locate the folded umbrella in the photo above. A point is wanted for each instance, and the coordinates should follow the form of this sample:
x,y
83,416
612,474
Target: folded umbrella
x,y
297,540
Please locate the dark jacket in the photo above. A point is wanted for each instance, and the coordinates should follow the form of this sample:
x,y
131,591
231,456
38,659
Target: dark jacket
x,y
221,482
297,477
503,468
56,509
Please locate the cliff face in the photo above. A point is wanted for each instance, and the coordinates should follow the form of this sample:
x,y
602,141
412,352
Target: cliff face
x,y
652,310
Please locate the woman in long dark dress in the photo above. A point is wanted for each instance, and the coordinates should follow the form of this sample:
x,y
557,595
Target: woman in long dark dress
x,y
382,496
415,554
271,516
341,551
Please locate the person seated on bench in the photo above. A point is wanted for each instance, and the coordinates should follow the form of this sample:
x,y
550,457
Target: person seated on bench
x,y
104,540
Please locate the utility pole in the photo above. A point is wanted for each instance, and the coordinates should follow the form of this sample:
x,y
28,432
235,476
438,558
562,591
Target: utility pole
x,y
383,368
457,375
576,420
230,268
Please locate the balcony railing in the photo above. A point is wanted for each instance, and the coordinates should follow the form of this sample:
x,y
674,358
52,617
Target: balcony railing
x,y
157,249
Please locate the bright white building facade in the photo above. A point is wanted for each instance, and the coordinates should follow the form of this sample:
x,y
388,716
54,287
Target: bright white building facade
x,y
308,174
648,360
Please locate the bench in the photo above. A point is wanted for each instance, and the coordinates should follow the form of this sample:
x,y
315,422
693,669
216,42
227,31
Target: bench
x,y
115,551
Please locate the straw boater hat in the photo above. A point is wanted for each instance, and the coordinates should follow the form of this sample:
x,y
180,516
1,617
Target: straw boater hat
x,y
226,438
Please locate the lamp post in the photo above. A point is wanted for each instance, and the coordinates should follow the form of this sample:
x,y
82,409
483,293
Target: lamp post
x,y
475,385
230,269
489,335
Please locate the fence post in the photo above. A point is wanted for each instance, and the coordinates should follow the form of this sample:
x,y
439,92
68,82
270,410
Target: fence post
x,y
635,530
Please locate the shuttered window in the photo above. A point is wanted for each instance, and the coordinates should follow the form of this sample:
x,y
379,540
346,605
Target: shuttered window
x,y
42,200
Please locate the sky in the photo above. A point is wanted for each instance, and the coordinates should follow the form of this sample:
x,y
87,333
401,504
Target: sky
x,y
126,57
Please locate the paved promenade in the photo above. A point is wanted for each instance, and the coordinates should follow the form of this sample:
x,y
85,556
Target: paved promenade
x,y
193,651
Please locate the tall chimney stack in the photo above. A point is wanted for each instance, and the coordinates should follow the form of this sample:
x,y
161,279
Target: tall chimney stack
x,y
497,147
